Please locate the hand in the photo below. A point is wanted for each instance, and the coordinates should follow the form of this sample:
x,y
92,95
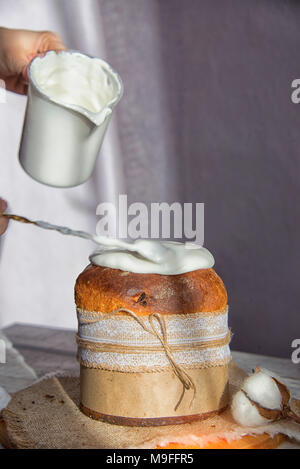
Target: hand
x,y
17,48
3,221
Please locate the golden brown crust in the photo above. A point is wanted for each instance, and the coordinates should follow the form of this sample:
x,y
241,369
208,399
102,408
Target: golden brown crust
x,y
103,290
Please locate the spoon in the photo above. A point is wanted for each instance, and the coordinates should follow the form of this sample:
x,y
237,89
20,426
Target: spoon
x,y
148,249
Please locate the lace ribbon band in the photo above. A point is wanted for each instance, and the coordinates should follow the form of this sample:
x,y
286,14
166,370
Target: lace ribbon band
x,y
129,343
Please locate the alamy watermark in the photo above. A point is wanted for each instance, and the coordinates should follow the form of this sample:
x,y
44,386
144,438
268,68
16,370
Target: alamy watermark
x,y
295,96
296,353
2,351
155,220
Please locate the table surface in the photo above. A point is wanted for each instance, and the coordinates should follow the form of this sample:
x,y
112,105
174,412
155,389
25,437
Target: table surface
x,y
49,350
36,351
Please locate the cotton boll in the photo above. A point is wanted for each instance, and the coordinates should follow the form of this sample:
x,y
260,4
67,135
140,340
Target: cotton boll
x,y
262,399
246,413
262,389
269,373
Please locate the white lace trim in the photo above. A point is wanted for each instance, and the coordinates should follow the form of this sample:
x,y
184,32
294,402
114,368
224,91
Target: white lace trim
x,y
124,330
123,361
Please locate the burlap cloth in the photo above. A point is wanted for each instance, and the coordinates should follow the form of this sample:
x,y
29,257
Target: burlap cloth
x,y
46,415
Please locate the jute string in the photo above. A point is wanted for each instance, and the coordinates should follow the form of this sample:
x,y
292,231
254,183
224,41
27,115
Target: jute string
x,y
89,344
180,373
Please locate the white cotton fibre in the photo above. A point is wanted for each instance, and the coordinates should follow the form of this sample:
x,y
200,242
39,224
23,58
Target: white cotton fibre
x,y
262,389
246,413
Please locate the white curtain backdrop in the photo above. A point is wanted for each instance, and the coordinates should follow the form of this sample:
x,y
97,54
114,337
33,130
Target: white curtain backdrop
x,y
37,268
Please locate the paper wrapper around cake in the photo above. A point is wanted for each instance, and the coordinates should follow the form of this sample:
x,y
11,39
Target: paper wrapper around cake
x,y
171,330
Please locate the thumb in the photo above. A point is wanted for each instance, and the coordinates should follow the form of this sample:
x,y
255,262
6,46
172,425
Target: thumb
x,y
48,40
3,205
3,221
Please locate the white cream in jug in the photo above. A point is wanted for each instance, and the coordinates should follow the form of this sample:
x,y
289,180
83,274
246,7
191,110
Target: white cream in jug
x,y
76,80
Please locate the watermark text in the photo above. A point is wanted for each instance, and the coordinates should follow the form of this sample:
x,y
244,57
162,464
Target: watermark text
x,y
296,353
156,220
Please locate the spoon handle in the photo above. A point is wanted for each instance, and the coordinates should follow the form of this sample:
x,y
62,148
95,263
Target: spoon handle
x,y
67,231
48,226
155,255
17,218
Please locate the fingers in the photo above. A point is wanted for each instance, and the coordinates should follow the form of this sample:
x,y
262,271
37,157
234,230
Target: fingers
x,y
25,74
17,48
3,205
17,84
48,40
3,221
51,41
3,225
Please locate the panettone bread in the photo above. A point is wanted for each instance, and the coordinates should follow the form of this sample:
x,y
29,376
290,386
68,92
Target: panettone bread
x,y
103,289
153,348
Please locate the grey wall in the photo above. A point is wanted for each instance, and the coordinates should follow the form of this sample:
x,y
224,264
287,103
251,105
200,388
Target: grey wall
x,y
207,117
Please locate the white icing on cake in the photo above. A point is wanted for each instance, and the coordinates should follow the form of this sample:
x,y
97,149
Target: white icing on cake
x,y
173,259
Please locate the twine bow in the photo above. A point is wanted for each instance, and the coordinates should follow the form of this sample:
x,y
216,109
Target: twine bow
x,y
186,380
